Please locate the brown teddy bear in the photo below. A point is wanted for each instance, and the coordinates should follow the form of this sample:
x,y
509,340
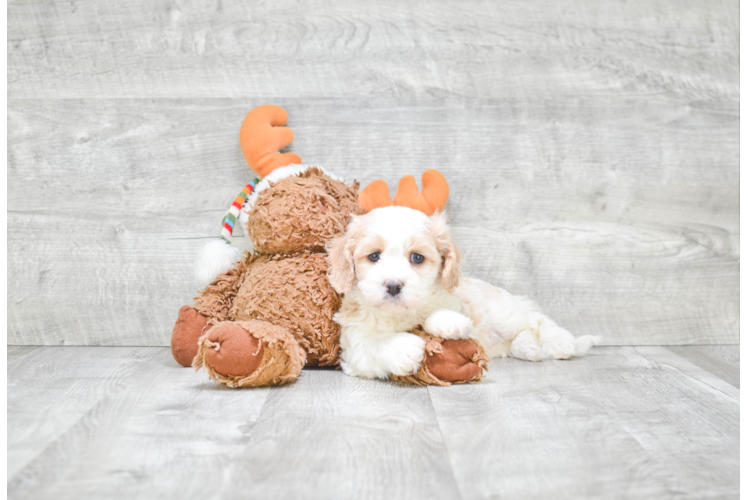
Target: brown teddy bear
x,y
268,314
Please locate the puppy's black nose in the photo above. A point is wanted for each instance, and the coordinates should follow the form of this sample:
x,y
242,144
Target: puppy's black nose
x,y
394,287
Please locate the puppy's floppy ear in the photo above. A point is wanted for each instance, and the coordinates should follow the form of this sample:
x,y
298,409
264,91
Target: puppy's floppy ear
x,y
342,271
450,253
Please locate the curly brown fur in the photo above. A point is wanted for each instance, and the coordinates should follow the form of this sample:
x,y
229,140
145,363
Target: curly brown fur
x,y
292,291
215,299
301,212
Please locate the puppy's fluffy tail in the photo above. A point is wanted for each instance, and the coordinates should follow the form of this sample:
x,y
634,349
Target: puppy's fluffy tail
x,y
584,343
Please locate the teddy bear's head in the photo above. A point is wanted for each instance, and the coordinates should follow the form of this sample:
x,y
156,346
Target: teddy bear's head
x,y
301,212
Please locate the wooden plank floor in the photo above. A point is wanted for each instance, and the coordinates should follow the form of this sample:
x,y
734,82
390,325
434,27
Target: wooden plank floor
x,y
127,422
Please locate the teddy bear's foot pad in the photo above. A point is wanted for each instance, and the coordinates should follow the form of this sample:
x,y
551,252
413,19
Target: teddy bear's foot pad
x,y
250,354
184,337
459,361
231,350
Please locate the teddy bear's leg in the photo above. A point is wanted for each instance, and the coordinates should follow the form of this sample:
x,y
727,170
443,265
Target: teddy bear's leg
x,y
187,331
250,354
448,361
211,306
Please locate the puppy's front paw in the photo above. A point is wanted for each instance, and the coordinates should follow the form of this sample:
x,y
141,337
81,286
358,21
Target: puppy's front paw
x,y
448,324
405,354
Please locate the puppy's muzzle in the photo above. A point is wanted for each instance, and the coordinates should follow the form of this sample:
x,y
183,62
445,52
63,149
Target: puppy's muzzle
x,y
393,287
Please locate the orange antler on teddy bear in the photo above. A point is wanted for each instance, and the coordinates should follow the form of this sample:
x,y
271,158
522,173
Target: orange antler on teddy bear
x,y
263,135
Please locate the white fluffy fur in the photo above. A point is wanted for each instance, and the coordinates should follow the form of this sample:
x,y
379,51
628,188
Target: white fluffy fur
x,y
374,337
213,259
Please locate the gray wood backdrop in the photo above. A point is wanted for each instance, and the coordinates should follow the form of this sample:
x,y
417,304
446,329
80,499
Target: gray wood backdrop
x,y
591,147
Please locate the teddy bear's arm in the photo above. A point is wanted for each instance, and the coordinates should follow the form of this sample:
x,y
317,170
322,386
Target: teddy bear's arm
x,y
215,300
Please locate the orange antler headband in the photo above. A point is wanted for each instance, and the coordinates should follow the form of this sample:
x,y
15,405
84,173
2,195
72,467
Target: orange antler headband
x,y
432,198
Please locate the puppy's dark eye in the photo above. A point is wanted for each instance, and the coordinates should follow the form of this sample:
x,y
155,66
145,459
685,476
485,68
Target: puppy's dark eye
x,y
374,256
416,258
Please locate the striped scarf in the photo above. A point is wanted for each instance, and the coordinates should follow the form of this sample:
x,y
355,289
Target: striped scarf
x,y
232,214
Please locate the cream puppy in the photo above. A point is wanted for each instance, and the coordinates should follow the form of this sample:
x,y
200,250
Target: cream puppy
x,y
397,268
